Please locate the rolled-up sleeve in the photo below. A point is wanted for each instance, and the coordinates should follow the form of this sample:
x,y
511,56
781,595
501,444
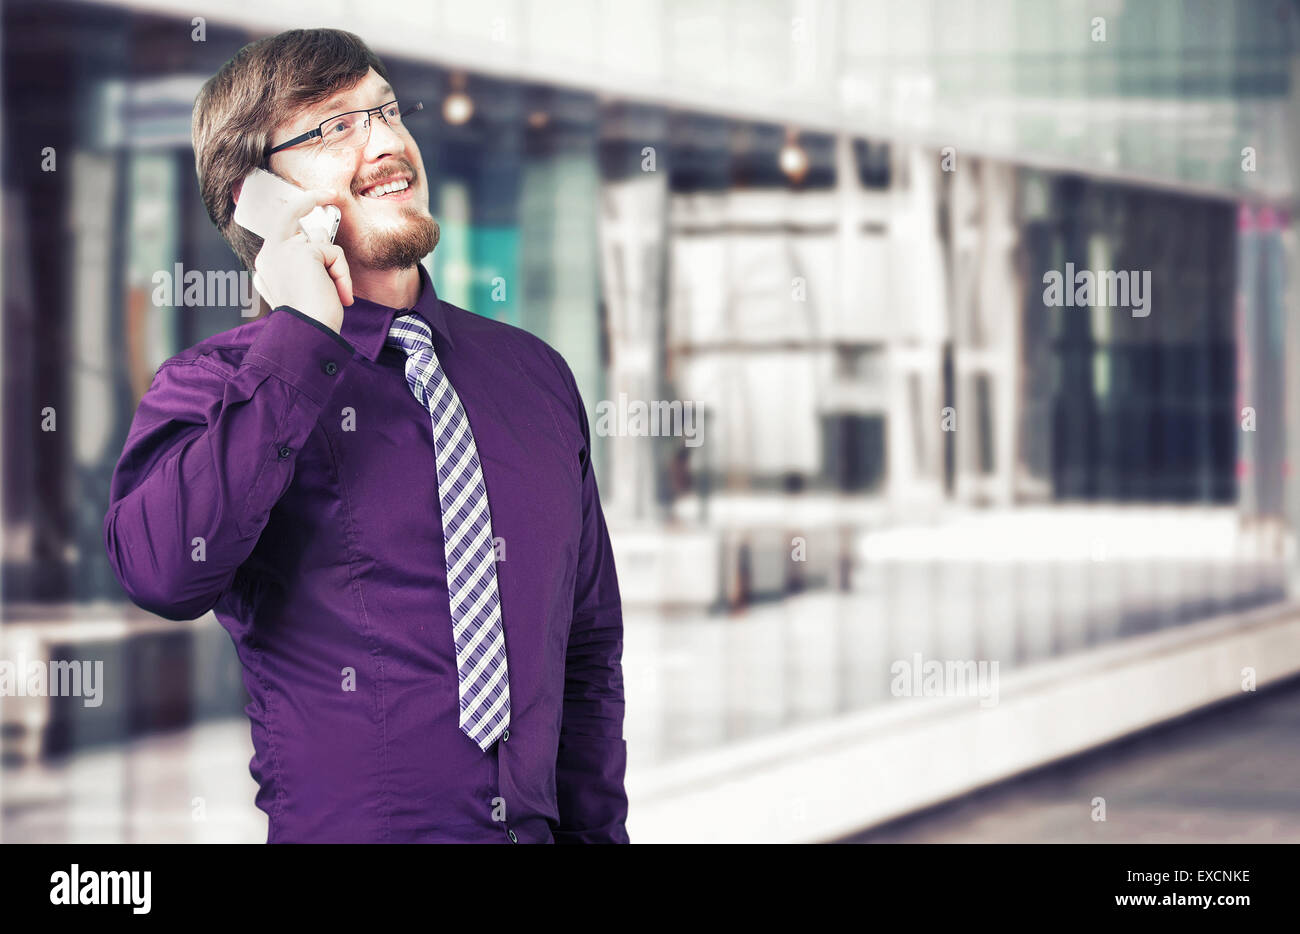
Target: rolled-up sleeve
x,y
592,758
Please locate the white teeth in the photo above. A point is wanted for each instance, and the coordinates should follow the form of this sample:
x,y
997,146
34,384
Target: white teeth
x,y
380,190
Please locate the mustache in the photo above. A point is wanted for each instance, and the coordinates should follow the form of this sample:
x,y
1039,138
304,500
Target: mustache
x,y
401,166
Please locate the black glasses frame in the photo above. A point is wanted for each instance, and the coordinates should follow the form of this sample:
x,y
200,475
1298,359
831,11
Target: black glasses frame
x,y
320,130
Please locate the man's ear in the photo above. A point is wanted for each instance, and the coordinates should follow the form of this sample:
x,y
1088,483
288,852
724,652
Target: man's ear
x,y
235,189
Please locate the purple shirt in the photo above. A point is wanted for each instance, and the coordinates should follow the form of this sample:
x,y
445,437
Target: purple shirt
x,y
284,476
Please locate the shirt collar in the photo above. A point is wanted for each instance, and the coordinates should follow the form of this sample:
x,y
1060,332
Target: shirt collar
x,y
366,323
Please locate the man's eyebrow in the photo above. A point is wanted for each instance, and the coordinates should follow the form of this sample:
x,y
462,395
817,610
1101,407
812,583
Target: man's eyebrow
x,y
335,105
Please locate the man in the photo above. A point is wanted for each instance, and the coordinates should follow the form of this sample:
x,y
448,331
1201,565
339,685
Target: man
x,y
391,508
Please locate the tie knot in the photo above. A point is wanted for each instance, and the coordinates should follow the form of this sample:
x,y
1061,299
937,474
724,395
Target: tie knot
x,y
411,333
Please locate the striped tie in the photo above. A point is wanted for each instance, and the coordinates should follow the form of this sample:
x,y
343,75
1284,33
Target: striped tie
x,y
467,539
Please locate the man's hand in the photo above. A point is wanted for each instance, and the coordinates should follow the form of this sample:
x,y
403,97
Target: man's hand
x,y
312,276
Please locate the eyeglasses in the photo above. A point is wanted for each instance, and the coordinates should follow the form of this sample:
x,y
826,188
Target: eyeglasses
x,y
351,130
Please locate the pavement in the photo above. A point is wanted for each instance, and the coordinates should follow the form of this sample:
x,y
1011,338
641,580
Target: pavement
x,y
1226,774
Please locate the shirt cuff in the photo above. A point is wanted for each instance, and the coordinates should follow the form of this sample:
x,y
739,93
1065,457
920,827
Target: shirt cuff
x,y
303,352
315,323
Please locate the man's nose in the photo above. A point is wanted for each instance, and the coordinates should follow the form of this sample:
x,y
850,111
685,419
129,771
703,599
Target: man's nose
x,y
383,138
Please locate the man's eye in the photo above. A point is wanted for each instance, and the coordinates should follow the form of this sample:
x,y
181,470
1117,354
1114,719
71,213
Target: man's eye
x,y
339,126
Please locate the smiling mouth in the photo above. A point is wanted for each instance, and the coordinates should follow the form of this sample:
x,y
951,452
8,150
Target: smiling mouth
x,y
388,189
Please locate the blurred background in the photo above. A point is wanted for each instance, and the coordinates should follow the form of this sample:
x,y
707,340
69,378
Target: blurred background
x,y
945,560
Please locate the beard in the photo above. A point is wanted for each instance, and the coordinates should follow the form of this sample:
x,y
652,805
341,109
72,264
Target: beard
x,y
398,247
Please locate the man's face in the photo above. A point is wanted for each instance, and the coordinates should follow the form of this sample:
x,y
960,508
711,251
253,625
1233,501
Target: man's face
x,y
392,231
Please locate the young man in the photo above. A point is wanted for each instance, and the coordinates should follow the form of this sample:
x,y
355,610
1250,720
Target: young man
x,y
387,501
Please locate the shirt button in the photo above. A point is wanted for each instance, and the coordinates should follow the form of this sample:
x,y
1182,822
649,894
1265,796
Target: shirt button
x,y
505,736
285,451
513,838
330,367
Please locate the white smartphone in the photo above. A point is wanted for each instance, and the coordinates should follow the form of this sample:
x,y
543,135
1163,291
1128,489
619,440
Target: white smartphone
x,y
264,197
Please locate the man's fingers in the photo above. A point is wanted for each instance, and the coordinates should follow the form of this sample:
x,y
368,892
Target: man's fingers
x,y
337,265
300,206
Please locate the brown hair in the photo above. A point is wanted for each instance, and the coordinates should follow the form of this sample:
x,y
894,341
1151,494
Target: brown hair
x,y
239,106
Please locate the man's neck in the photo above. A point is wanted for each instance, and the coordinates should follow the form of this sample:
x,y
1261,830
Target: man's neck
x,y
396,288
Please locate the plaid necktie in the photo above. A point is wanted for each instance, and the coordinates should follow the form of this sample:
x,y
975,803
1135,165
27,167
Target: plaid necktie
x,y
467,539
